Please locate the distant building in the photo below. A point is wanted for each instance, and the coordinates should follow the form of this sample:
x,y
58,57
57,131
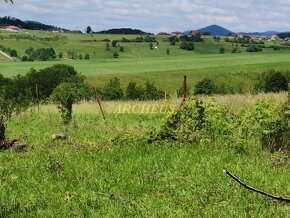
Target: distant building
x,y
242,36
76,31
13,29
56,30
195,33
177,33
163,33
275,37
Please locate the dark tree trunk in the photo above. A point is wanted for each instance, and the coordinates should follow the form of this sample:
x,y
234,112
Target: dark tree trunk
x,y
5,145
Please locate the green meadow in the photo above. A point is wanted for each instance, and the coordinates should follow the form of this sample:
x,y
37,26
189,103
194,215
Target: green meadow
x,y
108,168
139,63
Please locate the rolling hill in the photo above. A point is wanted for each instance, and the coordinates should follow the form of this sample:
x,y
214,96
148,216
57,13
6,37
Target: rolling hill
x,y
215,30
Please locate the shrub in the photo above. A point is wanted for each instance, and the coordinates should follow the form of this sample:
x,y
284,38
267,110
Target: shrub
x,y
152,93
108,48
264,124
60,55
196,122
24,58
254,48
87,56
29,51
116,55
65,95
48,79
122,49
205,87
112,90
273,125
134,92
114,43
271,81
80,56
13,53
276,48
189,46
43,54
235,50
168,51
71,55
222,50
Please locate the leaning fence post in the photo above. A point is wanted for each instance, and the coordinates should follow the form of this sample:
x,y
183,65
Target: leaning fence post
x,y
185,89
37,95
98,100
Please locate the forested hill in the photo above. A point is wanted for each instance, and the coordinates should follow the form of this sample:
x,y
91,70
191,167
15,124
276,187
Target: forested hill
x,y
126,31
284,35
30,25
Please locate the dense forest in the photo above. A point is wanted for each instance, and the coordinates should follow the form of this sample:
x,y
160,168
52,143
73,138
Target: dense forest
x,y
30,25
126,31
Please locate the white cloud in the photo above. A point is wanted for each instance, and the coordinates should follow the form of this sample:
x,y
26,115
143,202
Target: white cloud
x,y
155,16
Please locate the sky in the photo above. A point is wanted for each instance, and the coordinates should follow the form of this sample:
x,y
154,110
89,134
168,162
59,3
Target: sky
x,y
155,15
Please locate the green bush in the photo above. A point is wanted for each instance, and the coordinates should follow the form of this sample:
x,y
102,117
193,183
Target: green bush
x,y
189,46
205,87
265,125
87,56
65,95
273,125
254,48
271,81
60,55
13,53
24,58
152,93
116,55
222,50
112,90
134,92
43,54
48,79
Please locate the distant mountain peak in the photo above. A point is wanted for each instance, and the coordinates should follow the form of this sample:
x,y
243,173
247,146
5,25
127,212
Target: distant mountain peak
x,y
215,30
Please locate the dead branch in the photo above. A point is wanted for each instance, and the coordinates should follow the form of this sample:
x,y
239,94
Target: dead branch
x,y
256,190
5,144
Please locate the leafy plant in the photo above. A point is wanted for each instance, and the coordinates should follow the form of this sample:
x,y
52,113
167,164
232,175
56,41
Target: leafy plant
x,y
271,81
112,90
65,95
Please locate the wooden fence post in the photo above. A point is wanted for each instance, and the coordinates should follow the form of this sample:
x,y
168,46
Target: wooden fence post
x,y
37,96
185,89
98,100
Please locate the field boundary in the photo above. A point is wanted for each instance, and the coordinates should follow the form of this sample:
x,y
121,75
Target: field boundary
x,y
6,55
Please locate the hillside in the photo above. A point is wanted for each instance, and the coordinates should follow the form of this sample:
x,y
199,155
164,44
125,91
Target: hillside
x,y
124,31
29,25
216,30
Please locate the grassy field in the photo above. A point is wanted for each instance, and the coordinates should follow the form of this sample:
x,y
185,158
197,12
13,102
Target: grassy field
x,y
139,63
108,168
97,172
237,71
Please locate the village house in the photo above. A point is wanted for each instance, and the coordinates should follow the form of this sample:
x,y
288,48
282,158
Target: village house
x,y
275,37
76,31
13,29
195,33
177,33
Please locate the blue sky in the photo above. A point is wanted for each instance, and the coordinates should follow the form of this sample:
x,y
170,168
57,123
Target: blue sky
x,y
155,15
